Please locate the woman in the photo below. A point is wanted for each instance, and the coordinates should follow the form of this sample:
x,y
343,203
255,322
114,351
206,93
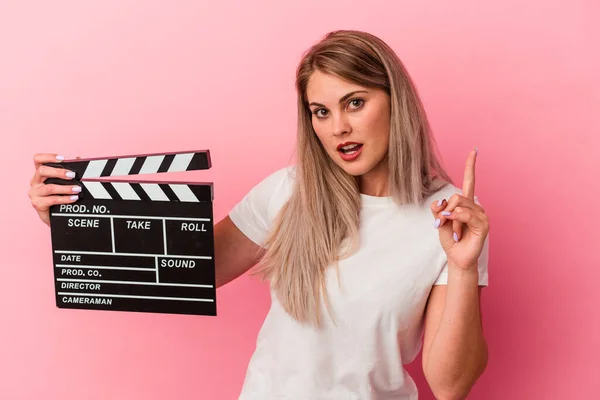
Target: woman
x,y
360,280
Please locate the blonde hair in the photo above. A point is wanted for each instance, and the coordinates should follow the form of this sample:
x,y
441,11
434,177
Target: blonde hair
x,y
323,209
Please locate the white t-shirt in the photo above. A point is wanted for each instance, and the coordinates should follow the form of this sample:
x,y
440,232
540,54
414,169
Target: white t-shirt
x,y
379,306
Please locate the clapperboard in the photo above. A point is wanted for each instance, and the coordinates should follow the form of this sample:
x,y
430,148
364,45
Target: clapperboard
x,y
145,246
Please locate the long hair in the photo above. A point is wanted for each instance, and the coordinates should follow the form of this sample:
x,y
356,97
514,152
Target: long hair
x,y
318,225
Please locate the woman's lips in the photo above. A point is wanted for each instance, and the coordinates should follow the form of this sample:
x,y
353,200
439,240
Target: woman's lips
x,y
352,154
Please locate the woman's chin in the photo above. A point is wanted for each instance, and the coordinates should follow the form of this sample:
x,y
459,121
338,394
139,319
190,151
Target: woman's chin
x,y
362,167
354,169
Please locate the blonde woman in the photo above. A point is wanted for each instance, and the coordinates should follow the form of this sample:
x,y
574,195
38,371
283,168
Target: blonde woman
x,y
370,250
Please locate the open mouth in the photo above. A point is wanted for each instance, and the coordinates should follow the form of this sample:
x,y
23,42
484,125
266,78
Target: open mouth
x,y
351,148
350,151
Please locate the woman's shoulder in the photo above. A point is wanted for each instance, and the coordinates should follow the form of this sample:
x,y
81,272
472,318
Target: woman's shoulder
x,y
274,187
254,213
280,178
286,173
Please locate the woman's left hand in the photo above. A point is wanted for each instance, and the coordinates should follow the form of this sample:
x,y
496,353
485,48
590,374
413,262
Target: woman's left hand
x,y
463,239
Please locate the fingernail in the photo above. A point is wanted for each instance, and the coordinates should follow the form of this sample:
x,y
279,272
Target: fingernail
x,y
455,237
476,151
74,197
77,189
60,158
436,224
446,213
439,203
70,174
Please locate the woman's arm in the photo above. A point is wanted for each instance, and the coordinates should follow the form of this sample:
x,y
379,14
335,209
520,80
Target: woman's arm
x,y
454,348
235,254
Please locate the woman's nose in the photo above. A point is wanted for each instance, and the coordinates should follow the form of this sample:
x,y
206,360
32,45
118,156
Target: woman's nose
x,y
341,124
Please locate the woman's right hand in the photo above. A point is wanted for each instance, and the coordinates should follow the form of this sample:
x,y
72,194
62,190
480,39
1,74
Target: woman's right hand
x,y
44,195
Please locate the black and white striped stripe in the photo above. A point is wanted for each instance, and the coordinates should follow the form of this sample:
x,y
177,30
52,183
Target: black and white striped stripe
x,y
148,191
139,164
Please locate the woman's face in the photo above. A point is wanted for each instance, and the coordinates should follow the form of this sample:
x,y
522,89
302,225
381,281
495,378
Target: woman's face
x,y
351,121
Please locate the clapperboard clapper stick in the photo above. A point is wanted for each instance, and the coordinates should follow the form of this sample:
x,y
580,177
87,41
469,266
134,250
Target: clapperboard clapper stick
x,y
145,246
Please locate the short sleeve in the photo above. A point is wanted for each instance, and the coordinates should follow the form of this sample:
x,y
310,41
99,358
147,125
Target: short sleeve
x,y
251,214
482,264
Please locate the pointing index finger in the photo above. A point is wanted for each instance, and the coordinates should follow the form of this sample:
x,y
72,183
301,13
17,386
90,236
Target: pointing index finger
x,y
468,188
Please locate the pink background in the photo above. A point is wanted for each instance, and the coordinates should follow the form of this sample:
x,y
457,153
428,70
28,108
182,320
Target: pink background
x,y
517,79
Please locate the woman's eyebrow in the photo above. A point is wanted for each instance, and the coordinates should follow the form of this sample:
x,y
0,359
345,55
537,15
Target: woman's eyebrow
x,y
344,98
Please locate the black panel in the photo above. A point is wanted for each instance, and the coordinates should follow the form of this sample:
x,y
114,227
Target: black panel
x,y
135,235
81,233
108,258
137,304
188,292
102,273
185,270
189,237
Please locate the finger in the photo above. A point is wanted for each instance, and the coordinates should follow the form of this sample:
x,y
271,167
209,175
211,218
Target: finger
x,y
445,229
472,219
43,203
468,189
44,190
457,227
44,172
436,207
456,200
42,158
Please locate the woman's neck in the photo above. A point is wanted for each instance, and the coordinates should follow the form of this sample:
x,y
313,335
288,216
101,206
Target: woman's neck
x,y
375,182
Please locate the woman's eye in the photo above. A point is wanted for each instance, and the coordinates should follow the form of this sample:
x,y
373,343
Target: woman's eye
x,y
320,112
356,103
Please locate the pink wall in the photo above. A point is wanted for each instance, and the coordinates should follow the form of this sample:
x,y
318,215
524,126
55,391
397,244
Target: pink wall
x,y
517,79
